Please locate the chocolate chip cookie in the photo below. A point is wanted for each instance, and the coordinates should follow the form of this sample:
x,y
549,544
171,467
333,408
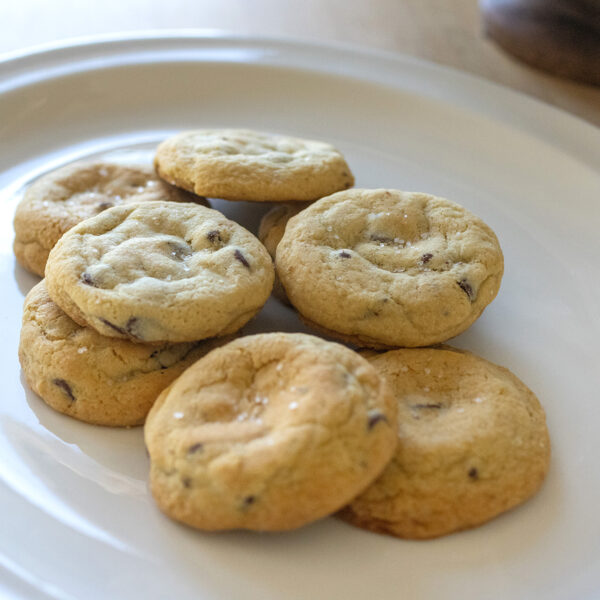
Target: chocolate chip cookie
x,y
269,432
385,268
160,272
472,443
239,164
90,377
63,198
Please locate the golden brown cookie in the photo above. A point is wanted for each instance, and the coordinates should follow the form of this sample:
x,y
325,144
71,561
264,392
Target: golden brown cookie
x,y
269,432
160,271
90,377
472,443
388,268
63,198
239,164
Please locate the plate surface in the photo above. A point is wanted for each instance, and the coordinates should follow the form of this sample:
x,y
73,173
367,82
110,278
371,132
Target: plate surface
x,y
77,520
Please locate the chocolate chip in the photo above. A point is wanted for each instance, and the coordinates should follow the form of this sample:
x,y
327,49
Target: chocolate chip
x,y
113,326
248,500
187,482
179,251
130,327
65,387
214,236
474,473
426,405
344,254
239,256
382,239
195,448
374,418
87,279
104,205
426,257
465,286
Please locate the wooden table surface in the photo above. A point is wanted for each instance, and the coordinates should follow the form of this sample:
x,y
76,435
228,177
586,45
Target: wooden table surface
x,y
447,32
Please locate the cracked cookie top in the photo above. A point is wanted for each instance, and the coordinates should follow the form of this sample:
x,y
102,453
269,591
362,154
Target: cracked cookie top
x,y
91,377
160,271
269,432
63,198
387,268
239,164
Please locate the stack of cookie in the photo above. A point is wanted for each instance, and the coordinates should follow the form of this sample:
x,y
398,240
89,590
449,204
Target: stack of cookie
x,y
273,431
130,293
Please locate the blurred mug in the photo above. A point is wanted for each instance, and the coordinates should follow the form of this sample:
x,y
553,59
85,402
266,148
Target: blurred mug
x,y
559,36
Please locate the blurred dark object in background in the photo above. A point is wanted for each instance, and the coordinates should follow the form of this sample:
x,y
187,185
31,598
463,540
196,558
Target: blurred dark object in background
x,y
559,36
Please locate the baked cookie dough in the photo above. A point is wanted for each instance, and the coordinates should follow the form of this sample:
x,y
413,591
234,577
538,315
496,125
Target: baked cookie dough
x,y
239,164
270,232
385,268
160,271
63,198
90,377
269,432
472,443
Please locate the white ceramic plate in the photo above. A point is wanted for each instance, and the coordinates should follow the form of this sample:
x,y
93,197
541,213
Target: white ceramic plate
x,y
76,519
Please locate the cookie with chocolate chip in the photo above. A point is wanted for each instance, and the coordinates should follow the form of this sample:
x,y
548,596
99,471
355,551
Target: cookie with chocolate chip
x,y
63,198
269,432
270,232
160,272
472,443
91,377
385,268
240,164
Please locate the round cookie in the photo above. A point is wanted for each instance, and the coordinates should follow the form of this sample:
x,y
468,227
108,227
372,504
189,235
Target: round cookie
x,y
269,432
160,271
270,232
90,377
239,164
385,268
63,198
472,443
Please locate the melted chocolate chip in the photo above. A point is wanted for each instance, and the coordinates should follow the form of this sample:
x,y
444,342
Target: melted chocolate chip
x,y
378,237
248,500
113,326
214,236
195,448
87,279
239,256
473,473
65,387
344,254
178,251
426,257
104,205
465,286
130,327
187,482
426,405
375,418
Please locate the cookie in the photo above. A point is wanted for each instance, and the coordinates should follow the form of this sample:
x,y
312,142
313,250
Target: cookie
x,y
90,377
160,272
270,232
472,443
269,432
238,164
385,268
63,198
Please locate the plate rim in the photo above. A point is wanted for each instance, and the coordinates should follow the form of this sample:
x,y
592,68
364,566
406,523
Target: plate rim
x,y
399,60
449,85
